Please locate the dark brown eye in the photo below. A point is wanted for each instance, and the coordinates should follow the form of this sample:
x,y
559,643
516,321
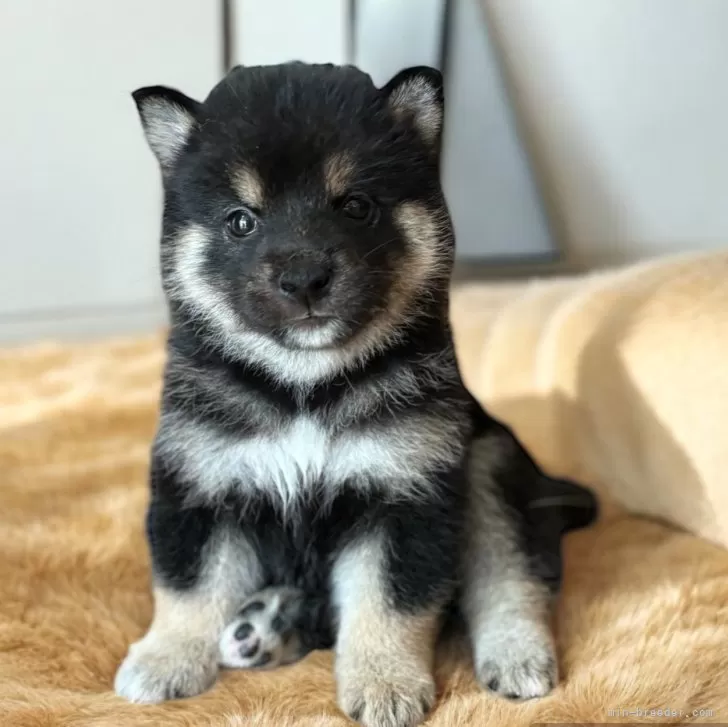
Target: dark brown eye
x,y
241,223
359,207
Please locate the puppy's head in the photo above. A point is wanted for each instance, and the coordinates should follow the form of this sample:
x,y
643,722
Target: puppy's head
x,y
303,208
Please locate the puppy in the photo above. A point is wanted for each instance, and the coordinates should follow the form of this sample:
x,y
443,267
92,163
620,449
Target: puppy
x,y
316,442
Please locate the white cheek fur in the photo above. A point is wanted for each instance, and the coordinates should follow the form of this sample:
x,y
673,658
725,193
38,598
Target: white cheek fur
x,y
186,283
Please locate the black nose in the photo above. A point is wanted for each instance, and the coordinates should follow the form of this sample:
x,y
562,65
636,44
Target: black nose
x,y
305,280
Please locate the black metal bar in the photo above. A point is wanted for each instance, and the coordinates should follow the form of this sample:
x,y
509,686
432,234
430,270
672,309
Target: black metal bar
x,y
445,44
351,31
228,43
445,35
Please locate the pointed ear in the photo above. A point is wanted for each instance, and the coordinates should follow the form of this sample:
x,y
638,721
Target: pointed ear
x,y
168,117
417,93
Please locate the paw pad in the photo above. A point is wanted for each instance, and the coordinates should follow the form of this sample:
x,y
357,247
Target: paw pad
x,y
262,635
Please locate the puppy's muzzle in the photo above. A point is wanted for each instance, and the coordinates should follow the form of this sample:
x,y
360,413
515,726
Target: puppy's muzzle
x,y
304,279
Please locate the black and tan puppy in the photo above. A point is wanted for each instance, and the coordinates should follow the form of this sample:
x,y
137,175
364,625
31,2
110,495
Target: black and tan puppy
x,y
316,441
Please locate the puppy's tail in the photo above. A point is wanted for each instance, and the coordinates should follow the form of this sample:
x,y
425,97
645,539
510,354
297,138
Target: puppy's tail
x,y
554,508
563,504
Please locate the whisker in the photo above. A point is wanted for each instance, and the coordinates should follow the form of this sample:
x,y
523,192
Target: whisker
x,y
378,247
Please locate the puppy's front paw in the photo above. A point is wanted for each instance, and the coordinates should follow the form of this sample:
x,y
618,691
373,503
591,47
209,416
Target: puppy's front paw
x,y
156,670
520,667
377,701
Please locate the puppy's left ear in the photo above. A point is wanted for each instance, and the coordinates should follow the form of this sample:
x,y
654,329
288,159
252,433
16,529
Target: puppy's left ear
x,y
417,94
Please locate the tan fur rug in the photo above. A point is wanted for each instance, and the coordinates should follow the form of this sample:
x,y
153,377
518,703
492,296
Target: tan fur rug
x,y
642,622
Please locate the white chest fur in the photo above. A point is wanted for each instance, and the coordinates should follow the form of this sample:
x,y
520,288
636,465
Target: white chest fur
x,y
304,454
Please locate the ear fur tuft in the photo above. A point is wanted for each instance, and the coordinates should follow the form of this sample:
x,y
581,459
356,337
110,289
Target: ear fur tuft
x,y
168,117
417,93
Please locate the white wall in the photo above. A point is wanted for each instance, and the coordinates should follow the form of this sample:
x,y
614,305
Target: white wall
x,y
626,105
277,31
487,174
80,192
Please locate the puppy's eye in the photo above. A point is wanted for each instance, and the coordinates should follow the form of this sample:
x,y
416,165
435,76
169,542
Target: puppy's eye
x,y
241,223
359,207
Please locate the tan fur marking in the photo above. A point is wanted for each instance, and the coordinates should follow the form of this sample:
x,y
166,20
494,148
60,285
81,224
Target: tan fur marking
x,y
338,169
248,185
180,615
428,258
178,656
384,658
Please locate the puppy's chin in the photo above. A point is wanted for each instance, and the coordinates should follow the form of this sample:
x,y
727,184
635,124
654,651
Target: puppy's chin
x,y
311,334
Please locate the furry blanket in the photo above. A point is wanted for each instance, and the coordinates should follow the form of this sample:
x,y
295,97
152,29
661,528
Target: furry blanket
x,y
617,379
619,382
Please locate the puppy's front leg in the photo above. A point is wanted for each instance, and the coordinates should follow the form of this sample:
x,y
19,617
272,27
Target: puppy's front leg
x,y
387,628
203,567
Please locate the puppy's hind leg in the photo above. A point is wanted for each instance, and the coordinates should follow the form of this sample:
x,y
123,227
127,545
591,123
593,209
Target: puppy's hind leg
x,y
506,606
512,566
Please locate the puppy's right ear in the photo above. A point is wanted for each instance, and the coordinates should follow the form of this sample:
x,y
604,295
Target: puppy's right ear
x,y
168,118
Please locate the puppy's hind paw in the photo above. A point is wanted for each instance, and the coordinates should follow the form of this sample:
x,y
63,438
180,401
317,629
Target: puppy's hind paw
x,y
520,671
263,636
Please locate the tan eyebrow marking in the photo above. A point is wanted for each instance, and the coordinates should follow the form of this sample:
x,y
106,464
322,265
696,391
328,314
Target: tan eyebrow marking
x,y
248,185
338,170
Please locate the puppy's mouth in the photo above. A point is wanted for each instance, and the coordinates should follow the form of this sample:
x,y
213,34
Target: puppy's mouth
x,y
309,321
314,332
